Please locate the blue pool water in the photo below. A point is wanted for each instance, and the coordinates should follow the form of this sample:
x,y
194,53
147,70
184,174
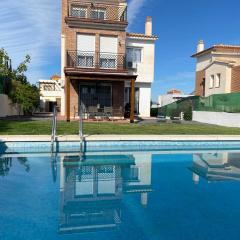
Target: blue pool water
x,y
121,195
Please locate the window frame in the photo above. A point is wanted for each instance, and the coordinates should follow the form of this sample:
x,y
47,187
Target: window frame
x,y
134,60
218,80
80,8
211,82
98,11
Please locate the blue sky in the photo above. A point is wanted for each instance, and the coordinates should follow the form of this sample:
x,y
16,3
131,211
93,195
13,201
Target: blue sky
x,y
33,27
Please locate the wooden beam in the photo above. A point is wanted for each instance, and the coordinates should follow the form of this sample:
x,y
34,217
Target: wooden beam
x,y
132,110
68,99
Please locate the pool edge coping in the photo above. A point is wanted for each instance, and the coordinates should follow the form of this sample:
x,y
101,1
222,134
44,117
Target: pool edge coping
x,y
94,138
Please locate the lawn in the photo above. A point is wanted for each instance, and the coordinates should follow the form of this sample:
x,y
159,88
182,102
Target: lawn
x,y
25,127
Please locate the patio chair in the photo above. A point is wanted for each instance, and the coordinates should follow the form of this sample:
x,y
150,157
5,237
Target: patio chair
x,y
92,112
108,112
118,112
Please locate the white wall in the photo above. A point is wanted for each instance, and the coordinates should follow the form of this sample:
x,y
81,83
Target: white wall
x,y
164,100
145,69
145,72
225,84
203,62
144,100
7,108
217,118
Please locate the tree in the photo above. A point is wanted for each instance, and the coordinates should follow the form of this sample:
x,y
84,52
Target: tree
x,y
19,89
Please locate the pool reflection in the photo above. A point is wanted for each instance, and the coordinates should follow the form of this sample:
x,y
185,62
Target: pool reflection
x,y
92,190
214,167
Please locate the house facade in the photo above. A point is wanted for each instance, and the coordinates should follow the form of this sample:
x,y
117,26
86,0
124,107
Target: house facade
x,y
172,96
51,93
217,69
102,64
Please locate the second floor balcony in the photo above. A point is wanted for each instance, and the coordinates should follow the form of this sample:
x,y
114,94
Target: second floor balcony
x,y
97,12
95,61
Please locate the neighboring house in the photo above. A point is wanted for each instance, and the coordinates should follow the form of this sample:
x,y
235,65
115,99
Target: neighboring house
x,y
102,64
217,69
171,97
51,93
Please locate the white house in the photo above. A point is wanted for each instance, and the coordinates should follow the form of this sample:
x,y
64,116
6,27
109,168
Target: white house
x,y
171,97
51,93
141,58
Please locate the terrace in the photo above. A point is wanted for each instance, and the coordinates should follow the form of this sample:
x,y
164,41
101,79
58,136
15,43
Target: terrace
x,y
92,61
89,12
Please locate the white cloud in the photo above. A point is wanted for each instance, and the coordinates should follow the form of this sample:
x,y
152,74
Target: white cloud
x,y
31,27
134,8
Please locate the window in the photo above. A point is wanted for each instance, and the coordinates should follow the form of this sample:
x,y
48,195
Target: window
x,y
134,55
85,60
79,12
108,61
211,84
98,14
218,80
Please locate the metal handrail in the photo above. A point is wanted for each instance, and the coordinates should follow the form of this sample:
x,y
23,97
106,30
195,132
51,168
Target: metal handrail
x,y
54,127
81,135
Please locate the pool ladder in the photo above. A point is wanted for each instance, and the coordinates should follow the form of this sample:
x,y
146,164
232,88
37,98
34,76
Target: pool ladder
x,y
54,128
81,135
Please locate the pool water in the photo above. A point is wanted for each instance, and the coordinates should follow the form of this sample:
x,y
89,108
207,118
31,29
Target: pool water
x,y
129,195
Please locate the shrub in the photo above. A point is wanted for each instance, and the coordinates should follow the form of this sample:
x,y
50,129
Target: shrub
x,y
154,112
188,115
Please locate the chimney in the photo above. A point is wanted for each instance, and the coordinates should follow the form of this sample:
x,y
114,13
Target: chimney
x,y
148,26
200,46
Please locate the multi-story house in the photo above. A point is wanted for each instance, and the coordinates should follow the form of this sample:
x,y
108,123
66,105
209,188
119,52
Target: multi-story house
x,y
217,69
102,64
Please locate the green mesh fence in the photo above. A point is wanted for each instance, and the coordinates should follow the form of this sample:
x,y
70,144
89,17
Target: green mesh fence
x,y
216,103
175,109
219,103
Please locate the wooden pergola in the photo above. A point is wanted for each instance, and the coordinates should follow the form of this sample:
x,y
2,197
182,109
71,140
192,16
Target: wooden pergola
x,y
71,74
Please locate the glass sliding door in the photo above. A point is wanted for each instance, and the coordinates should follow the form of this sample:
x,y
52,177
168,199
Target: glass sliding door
x,y
95,95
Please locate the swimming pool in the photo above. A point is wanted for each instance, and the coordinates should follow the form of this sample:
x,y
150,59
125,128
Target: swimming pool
x,y
133,194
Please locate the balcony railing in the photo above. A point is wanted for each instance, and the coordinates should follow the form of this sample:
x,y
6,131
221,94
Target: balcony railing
x,y
93,60
98,12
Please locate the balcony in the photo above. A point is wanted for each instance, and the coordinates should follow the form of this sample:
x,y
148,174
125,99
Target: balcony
x,y
99,12
94,61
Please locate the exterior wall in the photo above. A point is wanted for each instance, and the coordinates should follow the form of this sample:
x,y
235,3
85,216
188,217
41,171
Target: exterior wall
x,y
200,75
203,62
145,69
144,99
145,72
170,98
7,108
225,84
217,118
235,84
235,58
50,96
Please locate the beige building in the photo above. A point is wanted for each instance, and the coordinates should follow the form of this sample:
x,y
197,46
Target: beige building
x,y
217,69
51,93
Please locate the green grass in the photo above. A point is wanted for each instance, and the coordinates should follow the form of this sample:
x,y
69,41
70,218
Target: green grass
x,y
8,127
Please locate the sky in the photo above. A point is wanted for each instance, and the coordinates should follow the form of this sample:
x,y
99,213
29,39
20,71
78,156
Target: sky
x,y
33,27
